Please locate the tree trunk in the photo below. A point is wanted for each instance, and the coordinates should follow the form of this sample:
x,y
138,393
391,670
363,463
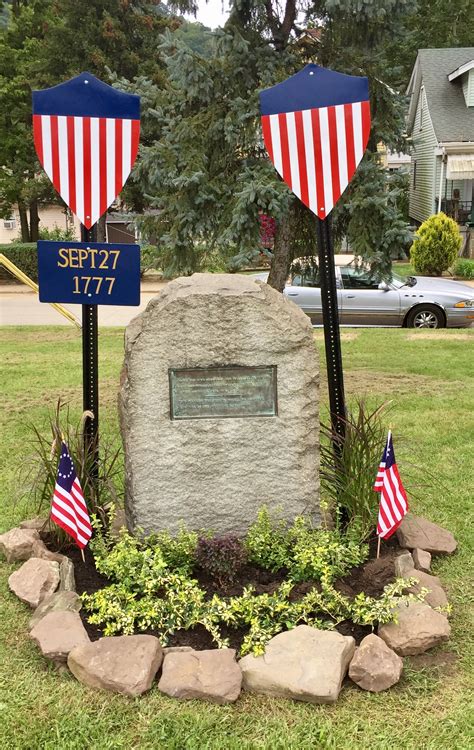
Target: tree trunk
x,y
281,256
25,229
101,232
34,222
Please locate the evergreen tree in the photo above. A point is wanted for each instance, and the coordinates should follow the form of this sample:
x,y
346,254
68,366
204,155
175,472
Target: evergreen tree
x,y
207,174
47,42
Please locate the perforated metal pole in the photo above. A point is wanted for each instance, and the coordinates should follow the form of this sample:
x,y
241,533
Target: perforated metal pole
x,y
90,373
332,338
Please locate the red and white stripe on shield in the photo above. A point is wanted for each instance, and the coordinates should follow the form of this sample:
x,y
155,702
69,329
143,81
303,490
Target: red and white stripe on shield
x,y
88,159
316,151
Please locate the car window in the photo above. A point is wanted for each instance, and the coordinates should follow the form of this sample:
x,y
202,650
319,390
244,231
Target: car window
x,y
355,278
306,277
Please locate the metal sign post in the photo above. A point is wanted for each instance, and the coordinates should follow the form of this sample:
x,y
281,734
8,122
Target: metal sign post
x,y
332,338
316,127
86,136
90,374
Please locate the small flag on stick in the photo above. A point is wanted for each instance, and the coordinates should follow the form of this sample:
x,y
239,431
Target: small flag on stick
x,y
393,498
69,509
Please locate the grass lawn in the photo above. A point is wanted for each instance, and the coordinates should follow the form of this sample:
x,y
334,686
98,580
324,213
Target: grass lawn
x,y
429,377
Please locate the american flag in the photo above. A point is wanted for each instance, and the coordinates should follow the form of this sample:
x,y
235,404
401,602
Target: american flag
x,y
316,126
86,137
69,509
393,499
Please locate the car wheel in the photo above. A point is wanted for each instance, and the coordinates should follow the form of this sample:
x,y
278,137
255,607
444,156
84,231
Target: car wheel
x,y
426,316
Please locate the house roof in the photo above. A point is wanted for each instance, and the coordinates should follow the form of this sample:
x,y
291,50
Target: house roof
x,y
452,119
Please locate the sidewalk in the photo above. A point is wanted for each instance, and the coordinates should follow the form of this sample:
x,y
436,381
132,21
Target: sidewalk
x,y
19,306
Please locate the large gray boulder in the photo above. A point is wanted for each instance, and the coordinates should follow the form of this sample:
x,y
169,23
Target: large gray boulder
x,y
35,580
57,633
375,667
123,664
419,628
210,325
305,664
17,544
61,601
415,531
212,675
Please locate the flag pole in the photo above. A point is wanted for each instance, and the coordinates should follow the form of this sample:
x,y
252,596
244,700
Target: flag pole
x,y
82,555
90,376
378,547
332,337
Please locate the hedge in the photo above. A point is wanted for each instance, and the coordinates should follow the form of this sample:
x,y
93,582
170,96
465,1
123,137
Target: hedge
x,y
23,255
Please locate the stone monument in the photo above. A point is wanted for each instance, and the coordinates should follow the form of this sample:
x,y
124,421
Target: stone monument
x,y
219,407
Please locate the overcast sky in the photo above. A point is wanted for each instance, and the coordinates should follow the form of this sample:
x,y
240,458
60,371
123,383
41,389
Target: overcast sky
x,y
210,13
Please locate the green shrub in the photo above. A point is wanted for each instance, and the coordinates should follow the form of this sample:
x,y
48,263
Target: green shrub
x,y
463,268
267,542
222,557
146,592
23,255
436,246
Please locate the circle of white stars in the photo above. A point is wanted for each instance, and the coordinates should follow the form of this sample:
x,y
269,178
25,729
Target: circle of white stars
x,y
66,476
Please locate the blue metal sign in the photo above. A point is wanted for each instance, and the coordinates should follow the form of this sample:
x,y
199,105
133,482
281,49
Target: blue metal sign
x,y
89,273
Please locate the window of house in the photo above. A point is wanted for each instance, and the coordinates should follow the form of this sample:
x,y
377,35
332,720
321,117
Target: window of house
x,y
422,101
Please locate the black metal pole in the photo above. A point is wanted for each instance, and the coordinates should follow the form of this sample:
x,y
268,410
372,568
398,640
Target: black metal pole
x,y
332,338
90,375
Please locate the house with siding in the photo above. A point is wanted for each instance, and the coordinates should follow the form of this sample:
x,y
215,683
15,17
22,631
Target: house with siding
x,y
441,128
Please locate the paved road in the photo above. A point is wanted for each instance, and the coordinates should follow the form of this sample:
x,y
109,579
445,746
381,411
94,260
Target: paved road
x,y
20,306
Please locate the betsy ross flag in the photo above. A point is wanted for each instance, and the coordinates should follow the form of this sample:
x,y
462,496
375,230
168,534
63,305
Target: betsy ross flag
x,y
86,135
69,509
393,499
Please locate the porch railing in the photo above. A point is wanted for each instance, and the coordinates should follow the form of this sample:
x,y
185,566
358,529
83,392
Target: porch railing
x,y
461,211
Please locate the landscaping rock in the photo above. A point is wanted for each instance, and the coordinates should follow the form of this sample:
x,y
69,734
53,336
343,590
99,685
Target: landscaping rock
x,y
35,580
124,664
176,649
436,596
305,664
211,675
17,544
416,532
403,565
61,601
57,633
419,628
37,523
66,573
39,549
375,666
422,560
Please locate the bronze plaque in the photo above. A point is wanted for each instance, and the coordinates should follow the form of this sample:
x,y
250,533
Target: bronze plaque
x,y
217,392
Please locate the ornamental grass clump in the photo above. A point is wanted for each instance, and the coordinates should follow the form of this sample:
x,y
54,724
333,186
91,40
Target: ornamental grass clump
x,y
436,246
347,481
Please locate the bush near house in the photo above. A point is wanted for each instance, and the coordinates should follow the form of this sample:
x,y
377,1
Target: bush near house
x,y
436,246
23,255
463,268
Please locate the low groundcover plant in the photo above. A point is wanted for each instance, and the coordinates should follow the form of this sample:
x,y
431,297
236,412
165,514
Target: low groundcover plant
x,y
152,584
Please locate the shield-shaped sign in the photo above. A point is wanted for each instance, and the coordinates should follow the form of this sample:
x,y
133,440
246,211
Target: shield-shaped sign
x,y
316,125
86,136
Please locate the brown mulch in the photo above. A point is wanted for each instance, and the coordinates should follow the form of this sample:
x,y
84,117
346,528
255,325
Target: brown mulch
x,y
370,578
